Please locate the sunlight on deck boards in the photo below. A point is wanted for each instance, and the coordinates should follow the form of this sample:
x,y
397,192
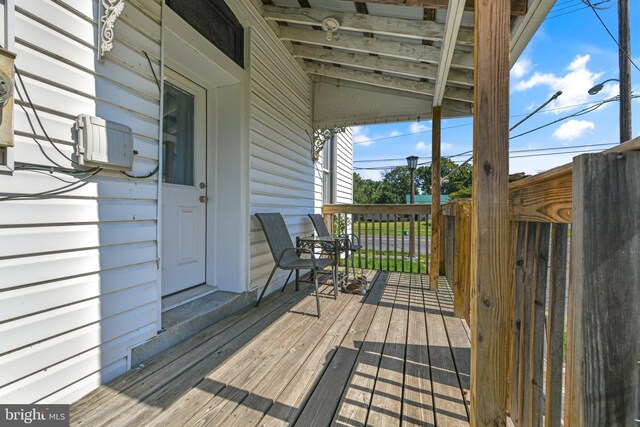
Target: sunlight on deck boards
x,y
396,356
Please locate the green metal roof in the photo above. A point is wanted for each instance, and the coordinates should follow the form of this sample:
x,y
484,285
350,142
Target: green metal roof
x,y
427,198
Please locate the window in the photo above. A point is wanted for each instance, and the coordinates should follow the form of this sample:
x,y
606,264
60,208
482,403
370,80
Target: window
x,y
329,171
216,22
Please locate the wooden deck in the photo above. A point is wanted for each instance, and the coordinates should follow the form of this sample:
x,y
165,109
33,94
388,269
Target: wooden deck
x,y
396,356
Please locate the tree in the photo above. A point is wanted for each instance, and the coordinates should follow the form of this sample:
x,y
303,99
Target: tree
x,y
456,181
396,184
365,191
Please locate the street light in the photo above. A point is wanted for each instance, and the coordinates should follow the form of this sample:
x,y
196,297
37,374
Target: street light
x,y
412,163
625,106
597,88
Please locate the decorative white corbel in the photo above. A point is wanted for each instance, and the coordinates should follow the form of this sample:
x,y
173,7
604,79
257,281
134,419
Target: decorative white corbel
x,y
110,11
320,137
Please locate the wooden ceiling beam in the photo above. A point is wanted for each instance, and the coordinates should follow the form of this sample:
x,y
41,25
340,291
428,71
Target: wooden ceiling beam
x,y
451,29
378,63
392,49
397,27
397,83
518,7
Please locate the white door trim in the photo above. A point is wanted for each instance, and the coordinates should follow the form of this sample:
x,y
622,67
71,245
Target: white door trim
x,y
214,70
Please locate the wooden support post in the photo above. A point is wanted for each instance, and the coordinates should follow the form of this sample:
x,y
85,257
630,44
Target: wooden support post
x,y
555,335
515,386
449,248
443,246
436,211
491,310
603,382
537,299
461,285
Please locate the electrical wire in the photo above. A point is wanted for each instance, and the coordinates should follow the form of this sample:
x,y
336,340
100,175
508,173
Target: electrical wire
x,y
37,116
53,192
565,107
529,150
157,168
588,3
576,114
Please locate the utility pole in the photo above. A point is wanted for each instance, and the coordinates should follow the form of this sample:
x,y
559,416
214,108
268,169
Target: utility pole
x,y
624,54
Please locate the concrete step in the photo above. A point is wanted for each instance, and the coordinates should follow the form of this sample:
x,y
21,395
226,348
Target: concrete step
x,y
186,320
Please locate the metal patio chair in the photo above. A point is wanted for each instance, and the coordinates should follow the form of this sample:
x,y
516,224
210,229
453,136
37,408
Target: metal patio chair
x,y
287,257
323,231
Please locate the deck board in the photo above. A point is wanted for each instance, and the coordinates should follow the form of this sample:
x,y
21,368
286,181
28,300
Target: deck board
x,y
396,356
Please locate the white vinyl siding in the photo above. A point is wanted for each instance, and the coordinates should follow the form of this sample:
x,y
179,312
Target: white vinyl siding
x,y
281,171
78,271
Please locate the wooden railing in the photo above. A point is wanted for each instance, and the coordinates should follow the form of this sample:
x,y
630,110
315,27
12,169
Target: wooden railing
x,y
385,234
457,247
575,312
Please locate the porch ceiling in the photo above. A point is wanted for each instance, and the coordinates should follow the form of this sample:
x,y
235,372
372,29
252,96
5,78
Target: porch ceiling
x,y
418,49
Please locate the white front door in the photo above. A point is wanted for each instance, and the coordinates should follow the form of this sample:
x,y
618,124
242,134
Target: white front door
x,y
184,184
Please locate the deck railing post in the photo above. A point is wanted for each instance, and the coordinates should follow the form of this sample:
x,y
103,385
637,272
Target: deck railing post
x,y
461,284
604,294
491,311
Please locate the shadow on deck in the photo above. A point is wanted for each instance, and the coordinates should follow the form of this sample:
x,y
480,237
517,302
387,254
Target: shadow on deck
x,y
396,355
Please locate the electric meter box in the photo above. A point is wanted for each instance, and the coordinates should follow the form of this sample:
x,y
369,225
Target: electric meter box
x,y
104,143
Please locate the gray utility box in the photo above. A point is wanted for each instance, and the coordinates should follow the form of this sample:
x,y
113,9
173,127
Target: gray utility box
x,y
104,143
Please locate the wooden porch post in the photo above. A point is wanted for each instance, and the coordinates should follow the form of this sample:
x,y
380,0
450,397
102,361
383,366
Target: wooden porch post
x,y
490,270
436,211
603,349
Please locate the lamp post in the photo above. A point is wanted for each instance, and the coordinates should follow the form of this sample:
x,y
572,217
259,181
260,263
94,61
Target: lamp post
x,y
625,107
412,163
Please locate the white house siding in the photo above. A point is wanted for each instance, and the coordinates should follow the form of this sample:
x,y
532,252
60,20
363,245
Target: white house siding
x,y
344,167
281,170
78,272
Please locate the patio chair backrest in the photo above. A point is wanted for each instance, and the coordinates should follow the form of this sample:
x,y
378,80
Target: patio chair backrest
x,y
277,234
320,226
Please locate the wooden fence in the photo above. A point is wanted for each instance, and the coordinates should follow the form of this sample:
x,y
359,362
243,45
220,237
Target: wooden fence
x,y
575,293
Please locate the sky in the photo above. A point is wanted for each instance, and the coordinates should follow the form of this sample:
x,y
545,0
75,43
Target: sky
x,y
571,52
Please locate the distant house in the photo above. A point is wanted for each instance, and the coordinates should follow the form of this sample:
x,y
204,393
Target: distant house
x,y
426,198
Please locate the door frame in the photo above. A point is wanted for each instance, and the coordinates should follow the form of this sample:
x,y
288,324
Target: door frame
x,y
228,106
201,133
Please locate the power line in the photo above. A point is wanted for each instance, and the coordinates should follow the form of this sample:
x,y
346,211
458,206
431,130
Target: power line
x,y
565,107
512,151
587,150
588,3
576,114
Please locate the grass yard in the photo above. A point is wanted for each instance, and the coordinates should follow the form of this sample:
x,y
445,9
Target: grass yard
x,y
397,264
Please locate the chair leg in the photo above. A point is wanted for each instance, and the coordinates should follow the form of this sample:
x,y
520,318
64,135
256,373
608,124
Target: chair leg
x,y
286,281
315,280
267,285
297,280
335,281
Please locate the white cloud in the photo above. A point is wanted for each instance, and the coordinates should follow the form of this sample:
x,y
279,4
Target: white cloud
x,y
521,68
574,84
572,129
418,127
360,136
423,146
394,133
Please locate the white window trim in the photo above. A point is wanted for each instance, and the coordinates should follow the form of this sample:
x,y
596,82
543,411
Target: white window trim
x,y
329,171
9,36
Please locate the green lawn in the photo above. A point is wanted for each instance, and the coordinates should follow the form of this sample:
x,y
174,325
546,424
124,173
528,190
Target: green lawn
x,y
395,228
397,264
